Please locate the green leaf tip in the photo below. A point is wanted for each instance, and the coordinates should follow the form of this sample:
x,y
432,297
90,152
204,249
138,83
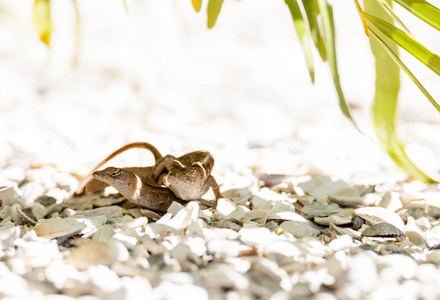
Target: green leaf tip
x,y
423,10
43,20
386,98
303,34
214,7
405,41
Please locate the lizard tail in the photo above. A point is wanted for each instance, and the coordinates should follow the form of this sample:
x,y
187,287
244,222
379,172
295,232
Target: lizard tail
x,y
143,145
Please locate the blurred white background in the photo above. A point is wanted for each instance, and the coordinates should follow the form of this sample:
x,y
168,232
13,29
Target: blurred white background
x,y
240,90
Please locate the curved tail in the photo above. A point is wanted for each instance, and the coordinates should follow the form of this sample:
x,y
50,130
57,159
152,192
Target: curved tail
x,y
143,145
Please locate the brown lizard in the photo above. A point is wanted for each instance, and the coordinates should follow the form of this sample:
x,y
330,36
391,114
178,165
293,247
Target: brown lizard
x,y
188,176
135,190
144,173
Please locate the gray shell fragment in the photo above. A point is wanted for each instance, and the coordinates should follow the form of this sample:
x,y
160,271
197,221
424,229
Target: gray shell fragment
x,y
317,210
383,230
358,222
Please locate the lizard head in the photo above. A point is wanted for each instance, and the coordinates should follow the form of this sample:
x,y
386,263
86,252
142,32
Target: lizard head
x,y
186,175
116,177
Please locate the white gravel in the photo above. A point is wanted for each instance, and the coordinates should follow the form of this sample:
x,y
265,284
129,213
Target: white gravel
x,y
240,91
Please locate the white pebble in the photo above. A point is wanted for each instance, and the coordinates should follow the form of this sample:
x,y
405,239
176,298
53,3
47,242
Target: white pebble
x,y
11,195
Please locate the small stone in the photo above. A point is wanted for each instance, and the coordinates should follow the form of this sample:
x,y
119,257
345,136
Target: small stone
x,y
107,211
37,253
362,272
391,201
340,243
27,216
257,216
220,275
65,181
13,173
375,215
268,275
323,296
224,248
108,201
59,273
104,233
321,186
257,236
15,214
396,267
270,180
171,291
348,231
261,203
317,210
5,211
31,191
97,253
226,224
224,208
8,235
358,222
343,218
183,218
38,210
58,227
354,196
11,195
150,214
239,196
42,176
174,208
284,248
299,229
305,199
46,200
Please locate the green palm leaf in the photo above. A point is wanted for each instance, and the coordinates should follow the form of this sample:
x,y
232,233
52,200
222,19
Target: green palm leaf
x,y
423,10
397,60
419,51
312,12
214,7
329,39
385,101
303,34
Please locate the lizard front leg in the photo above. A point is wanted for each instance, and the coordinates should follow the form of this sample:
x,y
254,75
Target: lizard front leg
x,y
162,164
215,188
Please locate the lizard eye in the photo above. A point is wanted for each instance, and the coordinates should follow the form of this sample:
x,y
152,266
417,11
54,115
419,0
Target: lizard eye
x,y
116,172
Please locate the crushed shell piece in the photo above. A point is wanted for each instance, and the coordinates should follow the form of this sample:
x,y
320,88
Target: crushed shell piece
x,y
321,210
354,196
27,216
376,215
383,230
358,222
96,253
58,227
11,195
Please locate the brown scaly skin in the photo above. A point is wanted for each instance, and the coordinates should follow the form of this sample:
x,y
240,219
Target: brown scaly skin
x,y
188,176
140,172
134,190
